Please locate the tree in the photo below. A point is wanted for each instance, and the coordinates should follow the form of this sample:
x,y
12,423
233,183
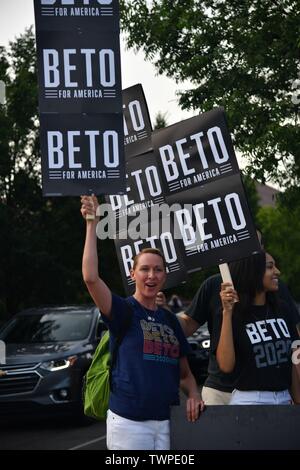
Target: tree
x,y
252,196
281,229
160,120
243,55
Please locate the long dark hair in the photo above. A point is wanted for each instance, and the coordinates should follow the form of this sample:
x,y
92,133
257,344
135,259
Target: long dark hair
x,y
247,277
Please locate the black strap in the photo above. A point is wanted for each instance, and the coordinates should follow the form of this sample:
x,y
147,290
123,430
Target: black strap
x,y
119,339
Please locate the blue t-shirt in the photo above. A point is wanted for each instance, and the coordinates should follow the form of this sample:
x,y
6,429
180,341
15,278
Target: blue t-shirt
x,y
145,379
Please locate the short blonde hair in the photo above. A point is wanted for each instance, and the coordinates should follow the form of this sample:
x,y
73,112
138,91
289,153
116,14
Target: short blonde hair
x,y
153,251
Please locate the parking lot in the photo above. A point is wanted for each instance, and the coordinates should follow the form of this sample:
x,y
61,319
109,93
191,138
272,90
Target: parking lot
x,y
51,435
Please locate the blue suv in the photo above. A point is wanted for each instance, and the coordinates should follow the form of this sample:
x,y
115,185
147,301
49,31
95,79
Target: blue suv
x,y
48,351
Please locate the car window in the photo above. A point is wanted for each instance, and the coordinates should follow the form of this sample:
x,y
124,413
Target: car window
x,y
45,328
101,328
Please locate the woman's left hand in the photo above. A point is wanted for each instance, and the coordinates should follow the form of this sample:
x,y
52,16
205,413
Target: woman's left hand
x,y
228,297
194,406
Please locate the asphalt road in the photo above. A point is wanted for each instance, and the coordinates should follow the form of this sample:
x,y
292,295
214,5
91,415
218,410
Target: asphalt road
x,y
43,433
51,434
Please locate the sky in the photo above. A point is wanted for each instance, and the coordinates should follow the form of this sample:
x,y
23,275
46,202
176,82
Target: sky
x,y
160,91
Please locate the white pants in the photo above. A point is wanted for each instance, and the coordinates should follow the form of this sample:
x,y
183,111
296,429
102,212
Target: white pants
x,y
126,434
212,396
254,397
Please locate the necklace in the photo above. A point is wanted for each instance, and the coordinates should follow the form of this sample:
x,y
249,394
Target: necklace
x,y
148,316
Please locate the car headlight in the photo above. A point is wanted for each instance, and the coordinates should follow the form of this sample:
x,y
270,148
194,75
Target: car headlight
x,y
58,364
205,344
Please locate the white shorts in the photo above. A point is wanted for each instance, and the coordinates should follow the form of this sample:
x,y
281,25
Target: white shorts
x,y
256,397
212,396
126,434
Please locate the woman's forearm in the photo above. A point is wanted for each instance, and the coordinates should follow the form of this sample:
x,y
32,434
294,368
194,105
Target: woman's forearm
x,y
97,288
225,349
295,389
189,386
90,254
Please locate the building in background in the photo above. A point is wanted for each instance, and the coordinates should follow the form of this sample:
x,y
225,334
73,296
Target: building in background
x,y
267,194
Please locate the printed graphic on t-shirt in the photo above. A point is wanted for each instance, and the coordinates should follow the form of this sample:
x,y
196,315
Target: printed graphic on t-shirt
x,y
160,343
270,340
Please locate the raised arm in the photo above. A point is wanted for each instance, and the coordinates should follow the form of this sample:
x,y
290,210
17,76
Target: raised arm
x,y
97,288
225,350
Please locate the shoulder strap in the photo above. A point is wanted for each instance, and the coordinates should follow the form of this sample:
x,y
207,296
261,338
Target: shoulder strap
x,y
119,338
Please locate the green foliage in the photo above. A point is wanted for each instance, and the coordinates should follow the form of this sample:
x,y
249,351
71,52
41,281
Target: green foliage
x,y
243,55
160,120
252,196
281,230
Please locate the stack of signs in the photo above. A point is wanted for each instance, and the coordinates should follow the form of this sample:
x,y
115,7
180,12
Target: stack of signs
x,y
137,124
80,97
140,218
184,196
202,186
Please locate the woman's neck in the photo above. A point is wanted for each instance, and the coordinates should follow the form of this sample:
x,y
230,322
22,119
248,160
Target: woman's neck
x,y
147,303
260,298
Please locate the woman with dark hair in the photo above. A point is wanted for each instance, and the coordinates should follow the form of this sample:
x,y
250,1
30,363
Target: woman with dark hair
x,y
256,335
151,360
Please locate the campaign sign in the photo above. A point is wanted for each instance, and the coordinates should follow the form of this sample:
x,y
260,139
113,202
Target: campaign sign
x,y
215,224
143,191
68,15
82,154
127,246
79,72
195,152
137,124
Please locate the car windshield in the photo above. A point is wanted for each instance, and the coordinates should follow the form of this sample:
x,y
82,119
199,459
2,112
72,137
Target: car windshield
x,y
47,327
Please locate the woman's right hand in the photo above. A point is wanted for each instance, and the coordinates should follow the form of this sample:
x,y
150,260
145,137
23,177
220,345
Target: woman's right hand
x,y
228,297
89,206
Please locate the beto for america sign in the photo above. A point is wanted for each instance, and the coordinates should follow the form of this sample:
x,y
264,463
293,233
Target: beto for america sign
x,y
195,152
192,181
137,123
82,154
67,15
215,224
128,245
79,72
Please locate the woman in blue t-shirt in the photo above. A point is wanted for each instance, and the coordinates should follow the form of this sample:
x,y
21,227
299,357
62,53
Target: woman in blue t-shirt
x,y
257,334
151,361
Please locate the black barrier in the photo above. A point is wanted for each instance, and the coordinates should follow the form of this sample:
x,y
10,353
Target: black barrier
x,y
262,427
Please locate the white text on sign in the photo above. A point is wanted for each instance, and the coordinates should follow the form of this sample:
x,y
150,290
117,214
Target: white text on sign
x,y
168,156
58,67
62,148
